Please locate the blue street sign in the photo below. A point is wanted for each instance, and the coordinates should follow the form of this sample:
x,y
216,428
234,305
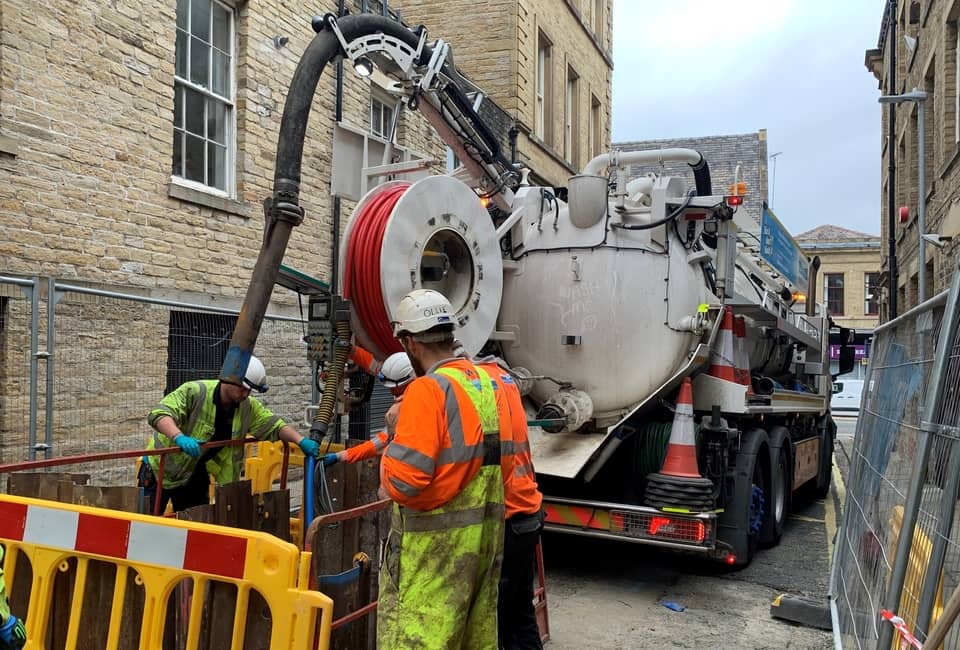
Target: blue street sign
x,y
779,250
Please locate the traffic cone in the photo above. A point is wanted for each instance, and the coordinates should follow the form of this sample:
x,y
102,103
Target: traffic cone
x,y
741,354
679,484
681,457
721,357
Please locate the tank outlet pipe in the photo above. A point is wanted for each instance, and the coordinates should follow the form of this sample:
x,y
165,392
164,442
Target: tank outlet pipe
x,y
282,210
701,171
572,404
766,385
690,324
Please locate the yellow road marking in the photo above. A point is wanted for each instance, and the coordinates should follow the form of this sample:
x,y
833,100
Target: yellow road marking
x,y
832,515
805,518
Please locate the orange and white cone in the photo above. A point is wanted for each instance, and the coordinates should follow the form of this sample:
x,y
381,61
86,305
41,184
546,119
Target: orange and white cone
x,y
721,357
679,484
681,459
741,354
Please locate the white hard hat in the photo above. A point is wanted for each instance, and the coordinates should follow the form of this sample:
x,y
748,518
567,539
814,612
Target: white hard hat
x,y
420,310
396,370
256,376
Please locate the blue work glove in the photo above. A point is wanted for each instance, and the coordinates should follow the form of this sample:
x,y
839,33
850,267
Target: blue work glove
x,y
310,447
13,633
188,445
330,459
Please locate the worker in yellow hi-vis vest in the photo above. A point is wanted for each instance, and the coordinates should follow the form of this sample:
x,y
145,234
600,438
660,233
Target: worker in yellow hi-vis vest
x,y
13,634
208,411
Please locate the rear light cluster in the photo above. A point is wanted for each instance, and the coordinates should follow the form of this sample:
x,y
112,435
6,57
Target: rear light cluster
x,y
660,527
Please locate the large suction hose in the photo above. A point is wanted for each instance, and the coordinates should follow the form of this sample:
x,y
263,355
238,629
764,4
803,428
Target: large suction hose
x,y
282,211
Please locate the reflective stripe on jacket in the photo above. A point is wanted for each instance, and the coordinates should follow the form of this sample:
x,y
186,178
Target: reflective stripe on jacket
x,y
441,568
438,447
520,492
191,407
369,449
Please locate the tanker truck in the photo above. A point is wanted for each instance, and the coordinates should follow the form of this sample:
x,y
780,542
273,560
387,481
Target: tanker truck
x,y
604,298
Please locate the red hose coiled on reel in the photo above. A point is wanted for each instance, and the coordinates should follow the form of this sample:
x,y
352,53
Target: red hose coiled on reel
x,y
361,282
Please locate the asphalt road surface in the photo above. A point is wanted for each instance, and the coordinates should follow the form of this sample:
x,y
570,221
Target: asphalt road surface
x,y
609,595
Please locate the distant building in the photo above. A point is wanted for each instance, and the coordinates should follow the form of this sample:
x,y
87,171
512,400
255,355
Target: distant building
x,y
848,281
926,55
723,153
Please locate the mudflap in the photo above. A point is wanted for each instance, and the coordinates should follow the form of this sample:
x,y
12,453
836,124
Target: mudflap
x,y
734,524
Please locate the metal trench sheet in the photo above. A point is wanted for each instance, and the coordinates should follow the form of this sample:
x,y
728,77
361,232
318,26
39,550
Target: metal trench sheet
x,y
562,454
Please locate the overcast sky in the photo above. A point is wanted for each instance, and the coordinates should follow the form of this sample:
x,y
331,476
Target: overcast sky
x,y
687,68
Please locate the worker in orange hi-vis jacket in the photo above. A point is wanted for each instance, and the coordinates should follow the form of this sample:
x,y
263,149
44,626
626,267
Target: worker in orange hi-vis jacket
x,y
441,564
396,373
516,616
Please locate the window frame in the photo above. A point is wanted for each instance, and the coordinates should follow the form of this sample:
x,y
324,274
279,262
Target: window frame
x,y
229,103
596,119
543,89
869,288
956,80
826,293
596,16
384,101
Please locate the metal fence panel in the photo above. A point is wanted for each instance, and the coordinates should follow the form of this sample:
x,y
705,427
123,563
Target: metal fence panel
x,y
894,482
18,397
115,356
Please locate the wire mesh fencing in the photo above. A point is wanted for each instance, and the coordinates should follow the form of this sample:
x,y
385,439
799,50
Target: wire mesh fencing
x,y
898,547
112,357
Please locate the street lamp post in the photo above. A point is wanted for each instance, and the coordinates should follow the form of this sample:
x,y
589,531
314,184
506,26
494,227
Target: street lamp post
x,y
773,184
918,97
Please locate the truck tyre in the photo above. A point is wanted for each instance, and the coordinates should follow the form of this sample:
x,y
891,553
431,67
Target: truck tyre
x,y
822,485
781,486
741,523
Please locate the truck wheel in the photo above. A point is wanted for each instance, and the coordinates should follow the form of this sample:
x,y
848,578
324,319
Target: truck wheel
x,y
781,486
741,522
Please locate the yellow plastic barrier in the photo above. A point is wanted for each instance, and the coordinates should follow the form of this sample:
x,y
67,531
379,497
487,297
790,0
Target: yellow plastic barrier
x,y
162,553
264,464
919,561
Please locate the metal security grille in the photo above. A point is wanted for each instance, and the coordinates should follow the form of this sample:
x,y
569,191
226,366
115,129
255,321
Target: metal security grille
x,y
899,543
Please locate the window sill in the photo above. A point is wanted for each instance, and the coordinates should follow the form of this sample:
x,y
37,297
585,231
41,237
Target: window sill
x,y
553,153
9,145
206,199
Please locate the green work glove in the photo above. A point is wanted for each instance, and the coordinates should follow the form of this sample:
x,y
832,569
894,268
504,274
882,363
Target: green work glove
x,y
13,634
310,447
188,445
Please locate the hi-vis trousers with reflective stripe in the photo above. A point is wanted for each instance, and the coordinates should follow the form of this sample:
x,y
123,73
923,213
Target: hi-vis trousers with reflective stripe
x,y
438,581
